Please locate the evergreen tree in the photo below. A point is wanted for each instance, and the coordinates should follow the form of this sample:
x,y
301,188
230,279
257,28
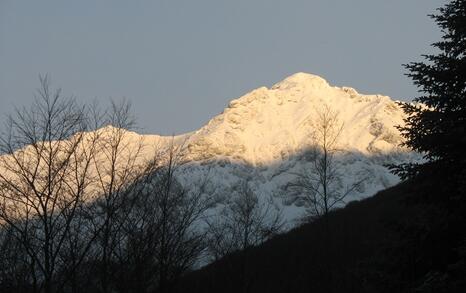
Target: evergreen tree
x,y
436,125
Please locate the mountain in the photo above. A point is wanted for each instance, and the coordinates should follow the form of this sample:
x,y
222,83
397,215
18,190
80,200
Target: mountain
x,y
266,136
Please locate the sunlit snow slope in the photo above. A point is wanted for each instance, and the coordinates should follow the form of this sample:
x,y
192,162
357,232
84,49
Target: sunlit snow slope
x,y
262,137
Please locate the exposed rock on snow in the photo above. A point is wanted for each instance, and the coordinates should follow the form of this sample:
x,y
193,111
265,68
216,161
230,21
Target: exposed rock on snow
x,y
265,136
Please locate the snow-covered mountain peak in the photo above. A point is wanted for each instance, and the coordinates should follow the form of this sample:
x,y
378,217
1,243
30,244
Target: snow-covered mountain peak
x,y
301,80
268,134
268,125
264,137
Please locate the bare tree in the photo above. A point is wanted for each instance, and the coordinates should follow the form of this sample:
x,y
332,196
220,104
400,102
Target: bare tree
x,y
118,162
247,221
80,209
178,210
320,186
83,209
163,238
44,176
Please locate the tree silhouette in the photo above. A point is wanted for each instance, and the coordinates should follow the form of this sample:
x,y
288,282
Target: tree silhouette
x,y
245,222
320,185
436,125
44,180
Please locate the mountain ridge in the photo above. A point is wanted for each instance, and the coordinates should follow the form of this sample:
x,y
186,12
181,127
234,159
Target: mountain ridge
x,y
298,95
264,138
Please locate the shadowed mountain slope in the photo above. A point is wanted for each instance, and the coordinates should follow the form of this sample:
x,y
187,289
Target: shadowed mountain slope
x,y
391,242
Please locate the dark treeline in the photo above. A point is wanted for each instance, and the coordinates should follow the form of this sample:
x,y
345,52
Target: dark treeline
x,y
391,242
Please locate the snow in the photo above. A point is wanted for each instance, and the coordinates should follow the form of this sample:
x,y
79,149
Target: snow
x,y
262,137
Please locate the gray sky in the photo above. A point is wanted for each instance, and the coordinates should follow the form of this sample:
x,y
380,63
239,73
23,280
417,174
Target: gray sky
x,y
180,62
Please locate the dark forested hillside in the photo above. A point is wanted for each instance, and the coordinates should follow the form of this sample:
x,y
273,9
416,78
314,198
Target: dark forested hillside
x,y
400,240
